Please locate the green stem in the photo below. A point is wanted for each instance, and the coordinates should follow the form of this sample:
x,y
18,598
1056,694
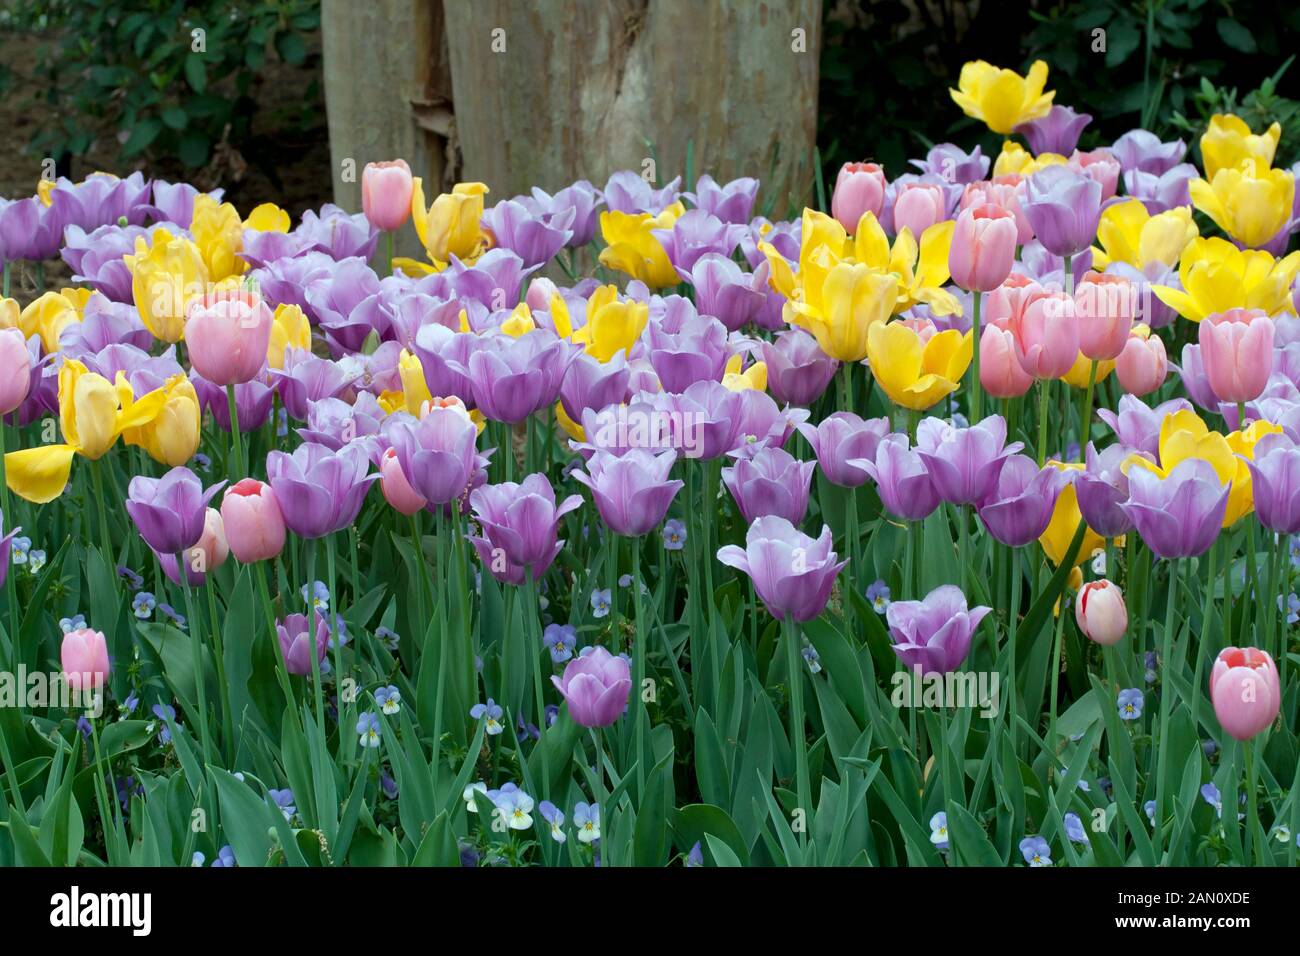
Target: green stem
x,y
235,439
976,391
797,735
1044,393
1085,420
1166,704
638,669
1055,680
196,648
223,686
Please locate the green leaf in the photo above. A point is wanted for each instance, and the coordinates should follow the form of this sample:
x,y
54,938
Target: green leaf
x,y
1236,36
141,135
196,73
245,819
693,822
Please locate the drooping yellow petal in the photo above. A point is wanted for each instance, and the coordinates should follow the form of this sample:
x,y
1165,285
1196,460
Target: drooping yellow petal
x,y
39,474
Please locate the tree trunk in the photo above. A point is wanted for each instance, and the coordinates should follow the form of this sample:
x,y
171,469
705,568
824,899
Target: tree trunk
x,y
549,92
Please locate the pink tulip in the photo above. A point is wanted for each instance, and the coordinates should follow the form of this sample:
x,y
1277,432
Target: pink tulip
x,y
1237,353
15,370
983,248
227,334
1047,335
1000,372
386,190
540,292
1245,690
1104,305
397,490
1010,299
253,523
859,189
207,554
84,657
918,207
1143,365
1004,191
1100,612
1098,165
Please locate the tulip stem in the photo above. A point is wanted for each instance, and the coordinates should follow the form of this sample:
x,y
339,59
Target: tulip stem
x,y
196,647
97,482
797,736
312,652
1202,646
235,440
1252,807
638,666
388,243
539,656
1055,682
975,390
7,516
219,658
1166,704
332,584
1013,625
1085,420
1044,394
282,672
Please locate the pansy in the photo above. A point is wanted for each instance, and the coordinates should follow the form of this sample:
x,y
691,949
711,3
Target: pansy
x,y
492,712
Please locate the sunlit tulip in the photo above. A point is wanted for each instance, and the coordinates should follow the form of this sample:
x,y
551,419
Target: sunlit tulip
x,y
1217,276
1002,99
915,364
1245,690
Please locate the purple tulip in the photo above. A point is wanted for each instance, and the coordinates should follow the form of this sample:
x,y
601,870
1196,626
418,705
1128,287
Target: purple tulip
x,y
1063,206
169,511
519,525
798,371
723,290
632,492
627,192
28,230
704,421
1137,424
762,422
1102,489
1057,132
101,199
591,384
494,280
319,491
1160,193
684,346
286,281
1191,368
731,203
1180,515
771,482
253,400
334,423
596,687
782,236
697,233
954,164
438,453
6,546
337,233
174,202
295,641
1142,150
511,378
534,237
1275,480
582,198
104,323
964,463
307,378
902,480
95,258
841,438
792,573
934,634
1019,508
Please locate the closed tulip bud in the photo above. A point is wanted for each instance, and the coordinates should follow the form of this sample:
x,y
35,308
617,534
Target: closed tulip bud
x,y
1104,305
1046,336
1143,365
84,658
397,490
918,207
1237,352
859,189
15,369
1100,612
1000,372
386,190
983,248
1245,690
166,275
596,686
228,334
253,524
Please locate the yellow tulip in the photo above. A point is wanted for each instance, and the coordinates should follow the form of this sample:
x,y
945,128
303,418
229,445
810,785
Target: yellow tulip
x,y
1065,522
1077,376
611,324
1014,158
290,329
520,321
1217,276
1250,206
1002,99
1241,499
1127,233
268,217
922,270
415,389
449,227
49,314
754,377
842,309
1228,140
219,234
915,369
172,436
632,247
165,277
10,314
573,429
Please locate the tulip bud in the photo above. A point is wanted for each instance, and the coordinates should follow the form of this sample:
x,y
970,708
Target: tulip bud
x,y
15,369
84,658
397,490
983,248
1000,373
1237,352
1142,366
1105,306
1245,690
228,334
918,207
386,190
1100,613
253,523
859,189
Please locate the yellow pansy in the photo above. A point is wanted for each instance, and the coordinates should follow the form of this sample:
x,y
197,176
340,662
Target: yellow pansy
x,y
1247,203
1127,233
1002,99
916,369
1014,158
754,377
922,271
219,234
631,246
1217,276
268,217
171,436
93,412
165,277
1077,376
1065,522
1228,140
49,314
612,324
449,227
290,329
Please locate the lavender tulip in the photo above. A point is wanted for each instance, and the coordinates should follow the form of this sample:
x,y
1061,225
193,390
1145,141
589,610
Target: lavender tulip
x,y
169,511
1102,488
596,687
632,492
534,237
1178,516
519,524
723,291
934,634
306,378
1143,150
792,573
513,377
1275,477
1063,206
319,491
798,371
1137,424
582,198
771,482
964,463
1019,508
437,453
296,642
954,164
684,346
839,439
627,192
732,202
695,234
1057,132
1163,192
902,480
591,384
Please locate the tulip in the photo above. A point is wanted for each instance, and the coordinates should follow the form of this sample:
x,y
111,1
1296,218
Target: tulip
x,y
396,489
1100,613
915,364
1063,206
253,523
510,378
1046,336
859,189
839,439
631,492
1020,507
1141,150
1104,306
612,324
49,315
1002,99
167,273
534,236
219,236
695,234
386,190
295,642
15,369
1102,488
983,247
519,524
319,491
798,371
1251,205
905,487
1100,166
170,511
792,573
919,206
228,335
934,634
596,687
1000,372
954,164
1227,141
1057,132
1275,474
1216,276
1237,351
685,347
772,482
207,554
1142,365
632,247
436,455
83,656
964,463
1245,690
449,227
723,290
1178,516
172,435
